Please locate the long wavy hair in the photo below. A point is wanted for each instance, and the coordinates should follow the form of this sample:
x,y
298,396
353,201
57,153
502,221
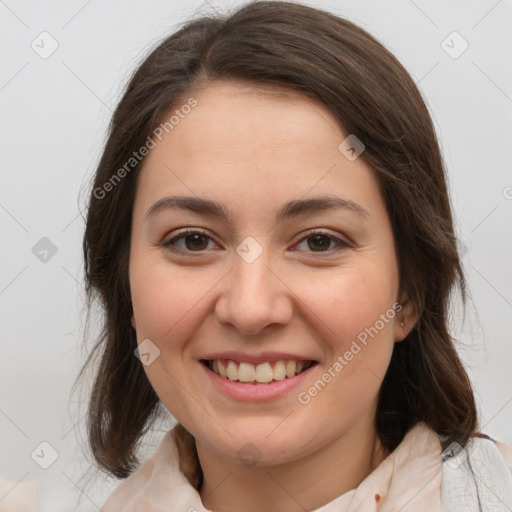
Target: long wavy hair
x,y
328,58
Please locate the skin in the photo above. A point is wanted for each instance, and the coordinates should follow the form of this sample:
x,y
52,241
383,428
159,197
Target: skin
x,y
253,148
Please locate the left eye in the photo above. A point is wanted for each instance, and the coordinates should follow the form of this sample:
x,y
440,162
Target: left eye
x,y
320,242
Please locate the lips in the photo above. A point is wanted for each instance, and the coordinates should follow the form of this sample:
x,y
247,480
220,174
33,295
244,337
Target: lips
x,y
252,391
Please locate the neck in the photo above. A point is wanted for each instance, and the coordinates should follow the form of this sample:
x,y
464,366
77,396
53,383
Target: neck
x,y
304,484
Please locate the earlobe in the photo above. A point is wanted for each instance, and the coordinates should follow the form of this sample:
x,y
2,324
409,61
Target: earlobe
x,y
134,324
400,332
405,320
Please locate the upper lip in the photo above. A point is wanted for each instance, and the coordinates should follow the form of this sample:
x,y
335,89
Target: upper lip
x,y
263,357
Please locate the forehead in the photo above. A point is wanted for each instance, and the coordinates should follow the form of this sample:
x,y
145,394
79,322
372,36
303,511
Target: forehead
x,y
245,142
241,120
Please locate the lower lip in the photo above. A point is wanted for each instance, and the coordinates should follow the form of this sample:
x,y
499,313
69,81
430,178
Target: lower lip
x,y
255,392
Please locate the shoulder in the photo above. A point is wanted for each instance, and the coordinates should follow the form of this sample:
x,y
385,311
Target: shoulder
x,y
486,450
478,474
506,452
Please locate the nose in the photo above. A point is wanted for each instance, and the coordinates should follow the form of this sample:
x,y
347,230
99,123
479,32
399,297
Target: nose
x,y
253,297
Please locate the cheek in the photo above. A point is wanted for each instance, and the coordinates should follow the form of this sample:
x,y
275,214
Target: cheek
x,y
165,299
166,303
348,302
357,333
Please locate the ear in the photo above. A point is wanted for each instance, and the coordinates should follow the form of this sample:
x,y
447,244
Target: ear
x,y
405,320
133,322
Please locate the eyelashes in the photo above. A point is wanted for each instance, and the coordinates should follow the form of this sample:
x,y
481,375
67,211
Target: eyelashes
x,y
191,239
321,235
183,236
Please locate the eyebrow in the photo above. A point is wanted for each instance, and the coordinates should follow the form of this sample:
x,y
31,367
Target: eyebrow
x,y
289,210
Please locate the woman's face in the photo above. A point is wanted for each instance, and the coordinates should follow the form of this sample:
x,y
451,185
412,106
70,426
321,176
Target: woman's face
x,y
270,277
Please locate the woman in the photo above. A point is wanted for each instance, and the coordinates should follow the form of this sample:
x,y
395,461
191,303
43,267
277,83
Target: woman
x,y
270,235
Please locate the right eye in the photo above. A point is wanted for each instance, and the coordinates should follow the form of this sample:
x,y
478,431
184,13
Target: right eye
x,y
188,240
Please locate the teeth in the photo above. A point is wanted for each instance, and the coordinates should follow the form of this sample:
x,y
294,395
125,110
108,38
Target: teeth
x,y
223,371
262,373
246,372
232,370
291,368
279,370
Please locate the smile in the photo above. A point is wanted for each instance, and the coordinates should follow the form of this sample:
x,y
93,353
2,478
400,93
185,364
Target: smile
x,y
263,373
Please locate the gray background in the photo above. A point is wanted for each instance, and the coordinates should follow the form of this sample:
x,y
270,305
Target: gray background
x,y
54,115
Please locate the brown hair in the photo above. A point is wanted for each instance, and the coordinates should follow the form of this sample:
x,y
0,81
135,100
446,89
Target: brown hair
x,y
328,58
